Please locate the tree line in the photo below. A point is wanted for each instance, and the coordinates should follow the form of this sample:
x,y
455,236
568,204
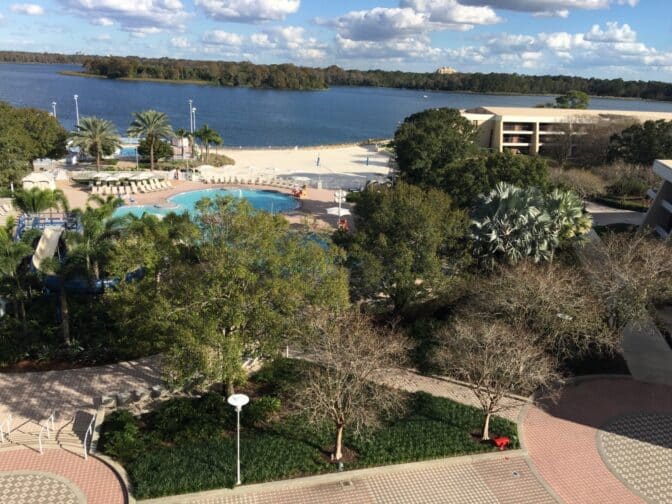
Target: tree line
x,y
288,76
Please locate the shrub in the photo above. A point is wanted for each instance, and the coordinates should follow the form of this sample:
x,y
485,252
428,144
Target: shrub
x,y
583,182
261,410
121,436
628,185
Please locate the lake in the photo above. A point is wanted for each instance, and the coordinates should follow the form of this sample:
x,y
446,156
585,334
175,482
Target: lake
x,y
253,117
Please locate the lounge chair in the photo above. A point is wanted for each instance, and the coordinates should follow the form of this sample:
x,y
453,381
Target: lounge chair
x,y
134,188
143,186
168,184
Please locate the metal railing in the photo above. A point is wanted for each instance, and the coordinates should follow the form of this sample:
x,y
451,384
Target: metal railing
x,y
3,434
46,428
87,436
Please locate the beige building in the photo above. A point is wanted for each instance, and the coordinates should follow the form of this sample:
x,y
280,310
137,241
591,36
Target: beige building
x,y
527,130
446,70
659,216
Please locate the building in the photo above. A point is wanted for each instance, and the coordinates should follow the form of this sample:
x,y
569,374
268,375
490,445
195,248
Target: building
x,y
659,216
446,70
528,130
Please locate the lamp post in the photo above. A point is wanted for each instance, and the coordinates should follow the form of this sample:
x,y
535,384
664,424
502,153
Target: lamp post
x,y
53,109
191,117
339,197
77,108
238,401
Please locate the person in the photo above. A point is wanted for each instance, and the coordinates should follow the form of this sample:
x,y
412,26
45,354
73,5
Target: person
x,y
317,163
367,160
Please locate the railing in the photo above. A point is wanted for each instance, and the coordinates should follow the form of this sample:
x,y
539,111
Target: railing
x,y
7,421
87,436
42,220
46,427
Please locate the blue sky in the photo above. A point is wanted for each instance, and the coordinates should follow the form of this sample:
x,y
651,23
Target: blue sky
x,y
631,39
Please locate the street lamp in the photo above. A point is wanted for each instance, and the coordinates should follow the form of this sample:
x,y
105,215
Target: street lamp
x,y
53,108
77,108
238,401
191,117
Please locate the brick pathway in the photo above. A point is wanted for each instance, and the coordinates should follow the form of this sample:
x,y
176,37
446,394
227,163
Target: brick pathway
x,y
63,474
484,480
562,438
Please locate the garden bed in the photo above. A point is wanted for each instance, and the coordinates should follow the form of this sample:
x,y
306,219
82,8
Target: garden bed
x,y
188,445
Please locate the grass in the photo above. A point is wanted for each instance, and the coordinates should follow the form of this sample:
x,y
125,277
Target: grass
x,y
188,445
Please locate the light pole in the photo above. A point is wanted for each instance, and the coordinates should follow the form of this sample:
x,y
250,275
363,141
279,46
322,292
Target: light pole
x,y
53,108
77,108
191,117
339,197
238,401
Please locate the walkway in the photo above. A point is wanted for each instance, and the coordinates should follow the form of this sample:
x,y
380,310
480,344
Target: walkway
x,y
605,440
57,477
485,479
605,216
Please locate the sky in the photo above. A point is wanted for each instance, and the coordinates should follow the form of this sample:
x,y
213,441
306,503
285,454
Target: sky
x,y
631,39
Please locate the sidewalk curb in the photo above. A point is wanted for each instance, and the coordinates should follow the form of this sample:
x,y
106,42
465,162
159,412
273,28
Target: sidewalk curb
x,y
336,477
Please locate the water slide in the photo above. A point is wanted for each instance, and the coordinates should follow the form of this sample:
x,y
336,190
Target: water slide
x,y
46,248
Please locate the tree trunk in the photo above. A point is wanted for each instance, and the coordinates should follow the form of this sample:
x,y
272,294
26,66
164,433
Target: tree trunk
x,y
338,449
151,153
97,159
230,390
486,428
65,315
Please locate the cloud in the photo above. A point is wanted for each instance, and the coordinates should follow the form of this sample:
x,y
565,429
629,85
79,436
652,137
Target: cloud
x,y
451,14
613,33
180,42
558,8
102,21
398,49
379,24
27,9
290,42
222,38
140,17
609,46
248,11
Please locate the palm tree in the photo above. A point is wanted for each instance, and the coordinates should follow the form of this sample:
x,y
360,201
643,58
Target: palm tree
x,y
98,226
36,200
209,137
12,254
152,125
181,133
97,137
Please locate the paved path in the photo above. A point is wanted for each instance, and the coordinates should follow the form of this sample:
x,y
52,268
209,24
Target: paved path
x,y
604,215
596,442
57,477
489,479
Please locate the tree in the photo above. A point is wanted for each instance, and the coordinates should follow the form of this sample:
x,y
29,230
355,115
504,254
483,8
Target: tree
x,y
12,254
94,242
426,142
96,137
512,223
36,200
466,179
209,137
162,149
240,287
154,127
408,241
643,143
495,359
348,352
25,135
572,100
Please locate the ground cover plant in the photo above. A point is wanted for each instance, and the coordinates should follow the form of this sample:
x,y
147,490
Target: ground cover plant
x,y
188,444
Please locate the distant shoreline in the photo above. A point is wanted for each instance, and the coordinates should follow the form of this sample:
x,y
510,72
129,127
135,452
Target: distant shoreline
x,y
73,73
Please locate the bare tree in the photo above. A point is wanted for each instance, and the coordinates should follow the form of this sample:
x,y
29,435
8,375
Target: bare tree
x,y
633,273
495,359
348,350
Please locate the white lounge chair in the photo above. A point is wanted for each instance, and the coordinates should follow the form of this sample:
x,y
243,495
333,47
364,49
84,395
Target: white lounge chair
x,y
134,187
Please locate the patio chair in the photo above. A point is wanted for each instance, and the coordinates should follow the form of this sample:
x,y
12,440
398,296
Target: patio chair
x,y
134,188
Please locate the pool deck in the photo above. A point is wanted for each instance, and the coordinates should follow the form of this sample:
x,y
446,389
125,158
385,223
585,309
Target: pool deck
x,y
313,209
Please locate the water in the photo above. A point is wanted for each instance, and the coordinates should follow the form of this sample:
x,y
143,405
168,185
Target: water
x,y
253,117
271,201
126,152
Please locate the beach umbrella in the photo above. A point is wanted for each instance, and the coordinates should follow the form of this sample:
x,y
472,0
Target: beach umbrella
x,y
338,211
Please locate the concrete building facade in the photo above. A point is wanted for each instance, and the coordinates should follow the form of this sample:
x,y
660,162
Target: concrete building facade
x,y
528,130
659,216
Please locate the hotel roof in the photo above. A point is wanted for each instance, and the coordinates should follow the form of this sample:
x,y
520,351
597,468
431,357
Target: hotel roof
x,y
557,113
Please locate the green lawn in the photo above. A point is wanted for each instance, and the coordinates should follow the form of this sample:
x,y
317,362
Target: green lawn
x,y
188,445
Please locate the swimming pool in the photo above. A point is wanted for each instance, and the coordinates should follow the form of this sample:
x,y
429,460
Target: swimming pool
x,y
270,201
127,152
